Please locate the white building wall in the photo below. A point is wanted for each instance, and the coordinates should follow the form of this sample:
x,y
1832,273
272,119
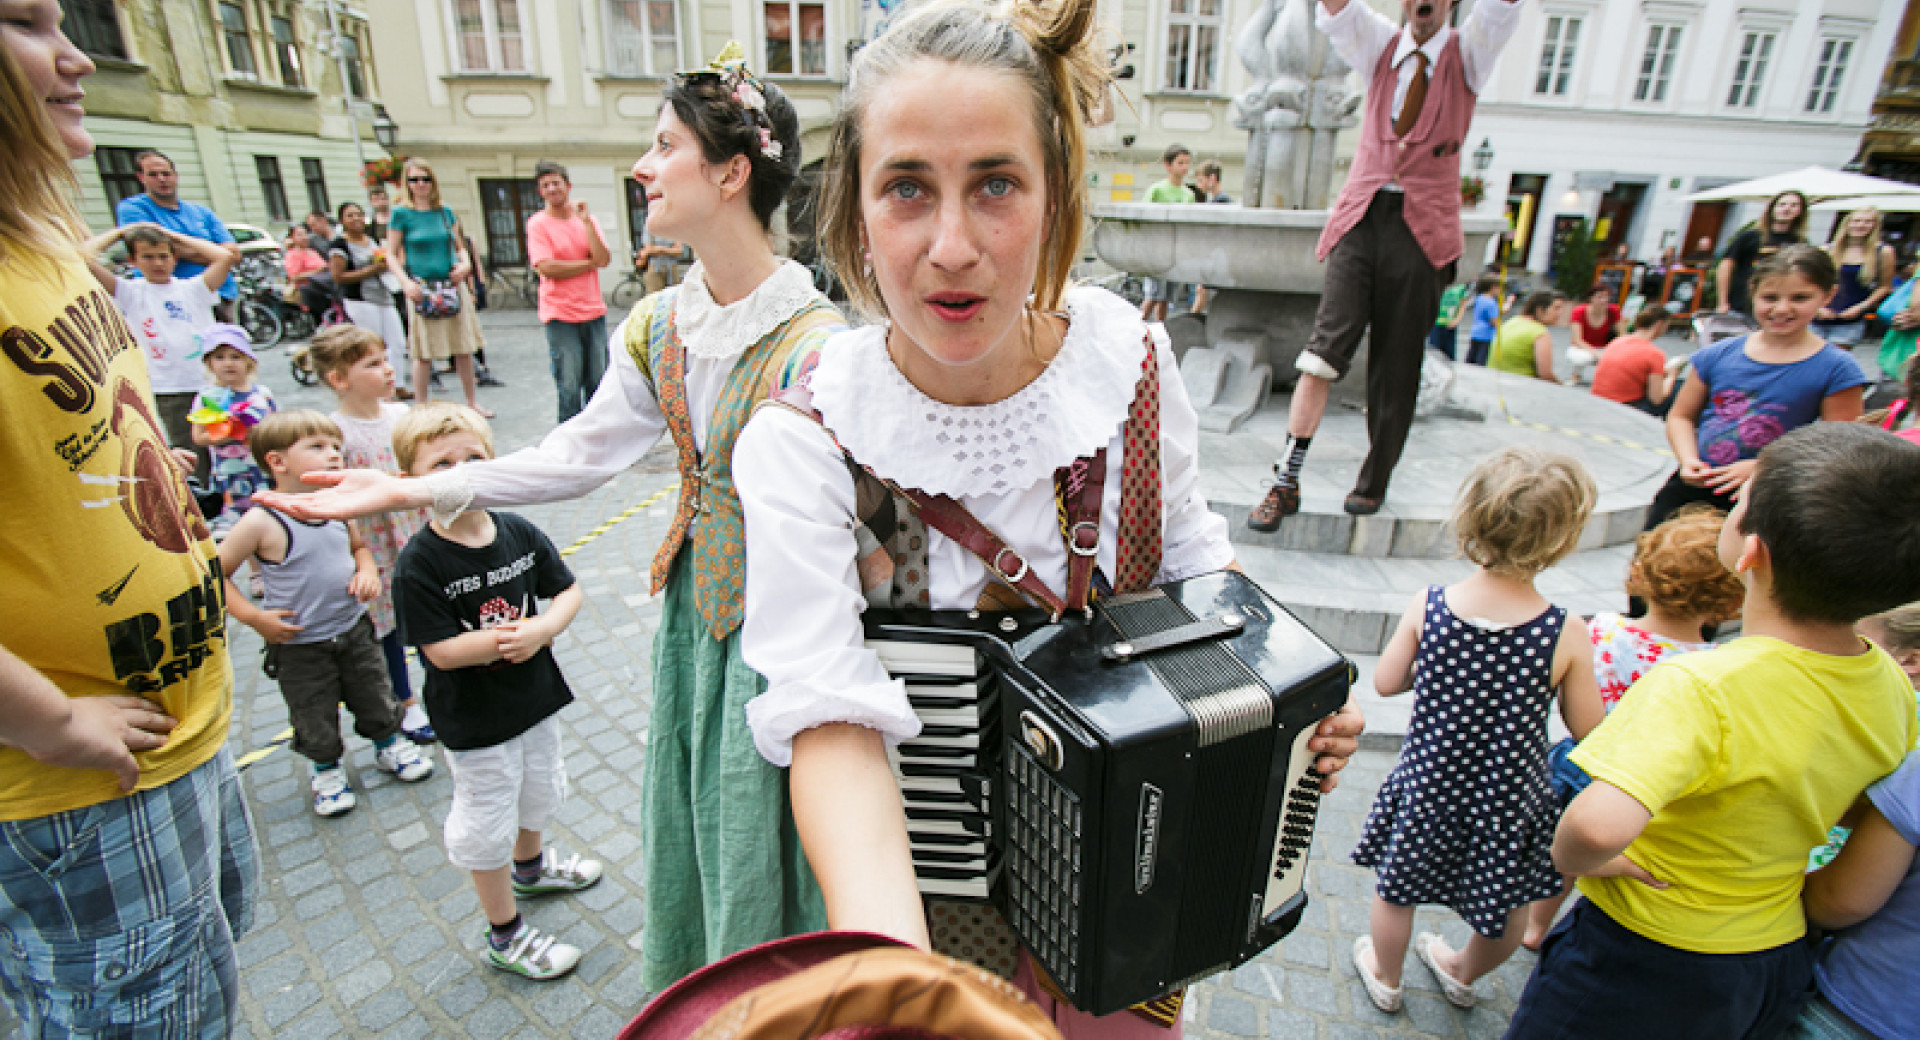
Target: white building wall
x,y
1693,139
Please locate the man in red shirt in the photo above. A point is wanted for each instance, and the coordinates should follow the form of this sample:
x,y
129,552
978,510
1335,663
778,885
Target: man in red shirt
x,y
567,250
1634,371
1596,321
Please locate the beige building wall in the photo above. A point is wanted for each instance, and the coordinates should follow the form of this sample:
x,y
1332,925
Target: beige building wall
x,y
524,80
170,76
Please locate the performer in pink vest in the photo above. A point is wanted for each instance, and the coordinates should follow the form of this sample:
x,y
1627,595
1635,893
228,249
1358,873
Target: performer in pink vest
x,y
1393,238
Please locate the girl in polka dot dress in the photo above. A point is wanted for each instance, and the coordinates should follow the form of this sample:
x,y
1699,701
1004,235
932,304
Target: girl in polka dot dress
x,y
1466,819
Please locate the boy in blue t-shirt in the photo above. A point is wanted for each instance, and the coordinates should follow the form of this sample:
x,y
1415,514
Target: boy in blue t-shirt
x,y
1486,319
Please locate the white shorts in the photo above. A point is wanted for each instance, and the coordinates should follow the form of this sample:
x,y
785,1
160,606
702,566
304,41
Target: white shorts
x,y
502,790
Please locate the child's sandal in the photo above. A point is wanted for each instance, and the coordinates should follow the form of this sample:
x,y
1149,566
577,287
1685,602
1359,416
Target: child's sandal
x,y
1458,993
1384,997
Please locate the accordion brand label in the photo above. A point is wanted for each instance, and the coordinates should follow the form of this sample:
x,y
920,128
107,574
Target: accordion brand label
x,y
1146,838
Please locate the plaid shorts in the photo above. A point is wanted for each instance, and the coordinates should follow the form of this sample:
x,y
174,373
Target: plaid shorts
x,y
119,919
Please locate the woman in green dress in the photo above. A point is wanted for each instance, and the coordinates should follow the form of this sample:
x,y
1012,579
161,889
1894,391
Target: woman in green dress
x,y
724,868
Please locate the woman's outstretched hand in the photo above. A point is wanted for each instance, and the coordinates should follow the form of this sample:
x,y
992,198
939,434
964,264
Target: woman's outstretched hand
x,y
347,494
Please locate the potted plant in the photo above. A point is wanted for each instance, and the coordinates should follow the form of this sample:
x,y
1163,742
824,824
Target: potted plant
x,y
1473,191
384,170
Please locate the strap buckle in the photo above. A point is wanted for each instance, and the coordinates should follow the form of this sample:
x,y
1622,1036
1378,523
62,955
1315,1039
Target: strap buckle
x,y
1016,577
1092,546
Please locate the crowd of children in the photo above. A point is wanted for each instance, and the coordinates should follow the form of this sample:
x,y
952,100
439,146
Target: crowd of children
x,y
1690,810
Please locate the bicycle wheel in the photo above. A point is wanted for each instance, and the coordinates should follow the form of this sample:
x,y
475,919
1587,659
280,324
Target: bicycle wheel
x,y
262,324
299,325
628,292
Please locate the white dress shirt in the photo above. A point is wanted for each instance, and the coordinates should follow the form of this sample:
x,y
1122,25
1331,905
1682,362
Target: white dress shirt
x,y
1359,34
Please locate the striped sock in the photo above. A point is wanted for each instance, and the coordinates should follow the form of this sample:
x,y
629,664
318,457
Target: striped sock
x,y
1296,458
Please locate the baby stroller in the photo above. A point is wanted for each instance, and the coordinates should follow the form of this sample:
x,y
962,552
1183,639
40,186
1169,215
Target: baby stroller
x,y
318,307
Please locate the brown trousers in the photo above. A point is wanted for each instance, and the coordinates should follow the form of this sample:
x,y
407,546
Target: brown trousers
x,y
1380,284
316,678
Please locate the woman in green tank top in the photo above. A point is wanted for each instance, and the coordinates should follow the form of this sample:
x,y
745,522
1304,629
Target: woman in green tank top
x,y
1523,345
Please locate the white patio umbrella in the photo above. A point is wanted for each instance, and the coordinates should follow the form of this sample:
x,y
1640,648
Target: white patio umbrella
x,y
1883,203
1817,183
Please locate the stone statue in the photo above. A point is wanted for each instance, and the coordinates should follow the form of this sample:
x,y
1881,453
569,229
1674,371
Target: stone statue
x,y
1298,102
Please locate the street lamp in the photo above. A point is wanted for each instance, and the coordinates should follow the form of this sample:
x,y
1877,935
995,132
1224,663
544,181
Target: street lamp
x,y
1483,156
385,130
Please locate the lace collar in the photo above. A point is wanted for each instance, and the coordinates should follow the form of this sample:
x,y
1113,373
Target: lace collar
x,y
1072,409
718,333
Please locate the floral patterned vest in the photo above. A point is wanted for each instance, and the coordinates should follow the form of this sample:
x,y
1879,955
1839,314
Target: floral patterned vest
x,y
709,519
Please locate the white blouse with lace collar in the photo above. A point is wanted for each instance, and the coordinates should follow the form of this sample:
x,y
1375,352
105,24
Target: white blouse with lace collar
x,y
717,332
804,596
623,420
1068,411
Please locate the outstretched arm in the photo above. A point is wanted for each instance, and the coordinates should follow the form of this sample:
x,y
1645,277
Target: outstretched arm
x,y
616,427
846,807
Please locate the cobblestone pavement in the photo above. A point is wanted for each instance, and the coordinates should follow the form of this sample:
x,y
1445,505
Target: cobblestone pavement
x,y
364,930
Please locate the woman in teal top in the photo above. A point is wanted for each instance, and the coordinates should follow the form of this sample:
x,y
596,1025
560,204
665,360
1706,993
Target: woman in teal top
x,y
1523,345
424,251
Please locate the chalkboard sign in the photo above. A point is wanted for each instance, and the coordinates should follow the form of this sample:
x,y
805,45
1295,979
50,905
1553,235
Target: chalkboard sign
x,y
1615,277
1681,295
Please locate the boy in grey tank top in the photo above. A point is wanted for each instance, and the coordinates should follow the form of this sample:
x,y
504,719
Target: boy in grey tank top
x,y
320,642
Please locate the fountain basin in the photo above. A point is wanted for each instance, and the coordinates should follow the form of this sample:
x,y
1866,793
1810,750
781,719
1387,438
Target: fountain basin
x,y
1232,247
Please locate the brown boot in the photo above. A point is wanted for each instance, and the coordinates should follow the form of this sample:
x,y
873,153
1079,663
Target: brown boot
x,y
1283,500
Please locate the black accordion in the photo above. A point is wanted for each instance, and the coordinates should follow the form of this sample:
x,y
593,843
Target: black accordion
x,y
1132,790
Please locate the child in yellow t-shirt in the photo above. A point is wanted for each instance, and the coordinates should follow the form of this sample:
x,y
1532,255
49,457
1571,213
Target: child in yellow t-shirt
x,y
1714,778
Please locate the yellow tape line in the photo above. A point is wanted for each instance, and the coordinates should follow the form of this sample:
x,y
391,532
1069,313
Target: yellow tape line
x,y
609,525
286,735
1601,438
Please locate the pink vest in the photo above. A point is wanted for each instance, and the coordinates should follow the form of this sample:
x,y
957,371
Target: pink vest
x,y
1426,162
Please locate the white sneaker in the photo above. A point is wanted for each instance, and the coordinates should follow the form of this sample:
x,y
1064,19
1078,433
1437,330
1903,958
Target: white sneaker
x,y
404,760
557,875
534,955
331,793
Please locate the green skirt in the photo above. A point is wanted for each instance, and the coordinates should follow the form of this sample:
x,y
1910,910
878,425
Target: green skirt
x,y
725,870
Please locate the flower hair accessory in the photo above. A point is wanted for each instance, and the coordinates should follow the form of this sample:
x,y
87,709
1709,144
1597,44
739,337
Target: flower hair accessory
x,y
730,67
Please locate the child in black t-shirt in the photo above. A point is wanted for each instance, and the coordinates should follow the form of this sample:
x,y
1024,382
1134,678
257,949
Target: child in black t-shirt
x,y
466,592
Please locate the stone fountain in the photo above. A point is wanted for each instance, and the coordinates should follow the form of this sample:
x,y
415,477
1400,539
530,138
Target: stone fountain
x,y
1258,257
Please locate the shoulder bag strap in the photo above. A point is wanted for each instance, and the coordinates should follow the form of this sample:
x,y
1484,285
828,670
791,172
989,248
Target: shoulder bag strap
x,y
945,514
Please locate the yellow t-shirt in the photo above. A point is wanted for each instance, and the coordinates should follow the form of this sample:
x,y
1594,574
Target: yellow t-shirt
x,y
1745,755
108,569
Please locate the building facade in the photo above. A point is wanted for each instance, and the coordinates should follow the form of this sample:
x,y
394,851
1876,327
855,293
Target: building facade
x,y
1891,146
1616,110
484,89
247,97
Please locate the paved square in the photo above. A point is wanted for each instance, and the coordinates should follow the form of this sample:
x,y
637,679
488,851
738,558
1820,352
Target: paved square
x,y
364,930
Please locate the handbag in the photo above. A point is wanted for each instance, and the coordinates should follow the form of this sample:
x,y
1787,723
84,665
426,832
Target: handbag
x,y
1896,302
438,299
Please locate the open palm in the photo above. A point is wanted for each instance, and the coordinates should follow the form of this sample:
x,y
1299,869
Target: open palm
x,y
353,493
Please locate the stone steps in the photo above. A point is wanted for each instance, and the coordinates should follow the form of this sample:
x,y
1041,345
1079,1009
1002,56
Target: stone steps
x,y
1622,449
1354,602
